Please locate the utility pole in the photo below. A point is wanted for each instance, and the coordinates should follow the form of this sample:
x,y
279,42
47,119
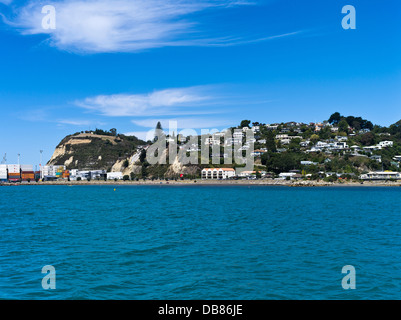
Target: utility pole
x,y
40,164
18,157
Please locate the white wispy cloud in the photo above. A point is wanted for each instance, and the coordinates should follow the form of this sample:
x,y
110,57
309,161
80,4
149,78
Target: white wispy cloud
x,y
162,102
75,122
49,115
94,26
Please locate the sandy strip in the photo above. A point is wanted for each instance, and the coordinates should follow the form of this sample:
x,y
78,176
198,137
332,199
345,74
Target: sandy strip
x,y
264,182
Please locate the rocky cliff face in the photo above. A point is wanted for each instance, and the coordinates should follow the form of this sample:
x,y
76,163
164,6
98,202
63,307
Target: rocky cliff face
x,y
177,168
93,151
86,151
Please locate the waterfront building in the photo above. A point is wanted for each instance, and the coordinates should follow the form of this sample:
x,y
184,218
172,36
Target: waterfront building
x,y
218,173
381,175
290,175
247,174
114,175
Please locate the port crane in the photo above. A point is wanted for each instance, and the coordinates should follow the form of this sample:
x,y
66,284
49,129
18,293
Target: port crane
x,y
4,161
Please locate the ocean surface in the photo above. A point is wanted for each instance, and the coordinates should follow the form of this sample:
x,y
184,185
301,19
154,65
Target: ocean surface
x,y
200,242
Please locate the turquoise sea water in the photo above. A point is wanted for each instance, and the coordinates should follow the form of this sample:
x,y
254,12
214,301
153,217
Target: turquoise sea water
x,y
200,242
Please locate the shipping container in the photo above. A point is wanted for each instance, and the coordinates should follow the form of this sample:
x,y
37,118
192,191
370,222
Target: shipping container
x,y
13,168
50,178
27,167
52,170
28,176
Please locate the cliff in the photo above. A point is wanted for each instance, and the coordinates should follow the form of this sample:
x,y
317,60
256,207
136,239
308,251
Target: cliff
x,y
94,151
114,153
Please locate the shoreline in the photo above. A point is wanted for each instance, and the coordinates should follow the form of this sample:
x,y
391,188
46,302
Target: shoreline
x,y
266,182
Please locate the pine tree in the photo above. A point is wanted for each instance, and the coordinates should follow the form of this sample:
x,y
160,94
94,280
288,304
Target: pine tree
x,y
158,131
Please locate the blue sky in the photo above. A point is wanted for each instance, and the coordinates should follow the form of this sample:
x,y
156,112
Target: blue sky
x,y
126,64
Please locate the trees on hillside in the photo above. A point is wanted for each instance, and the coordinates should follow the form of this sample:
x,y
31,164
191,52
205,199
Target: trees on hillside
x,y
343,125
314,138
355,122
368,139
270,142
396,128
158,131
280,162
142,156
245,123
335,118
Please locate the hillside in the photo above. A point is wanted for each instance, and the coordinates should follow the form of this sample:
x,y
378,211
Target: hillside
x,y
94,150
341,146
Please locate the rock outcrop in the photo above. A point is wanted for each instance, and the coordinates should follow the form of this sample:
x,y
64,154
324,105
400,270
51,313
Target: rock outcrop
x,y
94,151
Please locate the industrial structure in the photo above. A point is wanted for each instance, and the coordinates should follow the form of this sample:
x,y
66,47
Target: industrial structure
x,y
19,173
